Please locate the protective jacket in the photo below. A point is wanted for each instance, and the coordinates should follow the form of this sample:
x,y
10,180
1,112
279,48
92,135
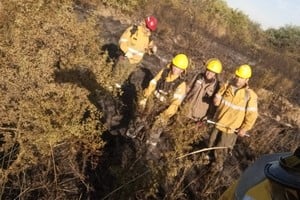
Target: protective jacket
x,y
238,108
135,42
167,88
253,184
199,97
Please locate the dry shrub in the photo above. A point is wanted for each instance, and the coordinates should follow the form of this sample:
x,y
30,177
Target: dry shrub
x,y
125,5
41,42
51,68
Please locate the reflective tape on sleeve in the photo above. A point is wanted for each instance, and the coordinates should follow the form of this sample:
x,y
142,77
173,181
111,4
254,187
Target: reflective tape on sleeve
x,y
136,52
180,97
252,109
233,106
123,40
153,81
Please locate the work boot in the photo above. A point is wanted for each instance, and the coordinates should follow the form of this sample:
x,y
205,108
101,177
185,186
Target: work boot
x,y
130,134
133,133
135,127
151,145
152,151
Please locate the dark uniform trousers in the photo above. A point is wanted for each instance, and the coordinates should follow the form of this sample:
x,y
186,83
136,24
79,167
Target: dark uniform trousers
x,y
122,69
221,139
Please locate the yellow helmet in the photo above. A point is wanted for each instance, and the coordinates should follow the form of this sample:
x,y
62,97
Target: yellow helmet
x,y
244,71
181,61
214,65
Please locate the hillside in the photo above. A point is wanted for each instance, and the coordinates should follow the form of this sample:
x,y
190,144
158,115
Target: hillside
x,y
62,127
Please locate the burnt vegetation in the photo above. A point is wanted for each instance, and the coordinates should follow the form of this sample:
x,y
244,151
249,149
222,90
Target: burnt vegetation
x,y
62,124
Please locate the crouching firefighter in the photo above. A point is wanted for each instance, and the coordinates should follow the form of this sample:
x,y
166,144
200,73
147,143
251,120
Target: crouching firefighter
x,y
271,177
168,89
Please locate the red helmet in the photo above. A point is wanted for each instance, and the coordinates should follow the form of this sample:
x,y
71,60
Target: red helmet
x,y
151,23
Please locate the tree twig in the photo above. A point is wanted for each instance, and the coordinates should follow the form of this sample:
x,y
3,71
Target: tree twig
x,y
201,150
54,169
8,129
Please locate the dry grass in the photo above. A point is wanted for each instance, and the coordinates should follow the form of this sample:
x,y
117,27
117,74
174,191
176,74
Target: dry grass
x,y
39,40
52,66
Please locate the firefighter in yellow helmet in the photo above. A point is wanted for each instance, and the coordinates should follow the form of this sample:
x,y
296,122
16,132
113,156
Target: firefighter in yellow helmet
x,y
168,89
198,103
236,113
134,43
271,177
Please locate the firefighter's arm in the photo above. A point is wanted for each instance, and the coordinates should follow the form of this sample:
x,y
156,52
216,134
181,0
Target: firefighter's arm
x,y
251,112
209,92
124,39
149,90
178,97
219,94
152,85
211,89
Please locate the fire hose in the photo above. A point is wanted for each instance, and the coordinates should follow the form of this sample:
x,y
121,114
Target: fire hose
x,y
222,125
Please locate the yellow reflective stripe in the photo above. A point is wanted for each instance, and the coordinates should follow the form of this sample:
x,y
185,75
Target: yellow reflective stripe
x,y
123,40
136,52
153,81
233,106
180,97
252,109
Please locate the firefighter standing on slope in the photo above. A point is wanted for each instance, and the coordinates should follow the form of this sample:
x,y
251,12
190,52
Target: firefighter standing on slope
x,y
169,89
198,102
134,43
235,115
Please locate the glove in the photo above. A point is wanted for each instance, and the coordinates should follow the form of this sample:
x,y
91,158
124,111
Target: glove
x,y
128,54
242,132
142,103
154,49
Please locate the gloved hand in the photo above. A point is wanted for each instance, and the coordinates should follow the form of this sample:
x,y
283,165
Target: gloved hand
x,y
142,103
242,132
154,49
128,54
204,119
